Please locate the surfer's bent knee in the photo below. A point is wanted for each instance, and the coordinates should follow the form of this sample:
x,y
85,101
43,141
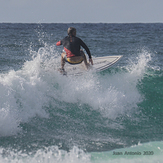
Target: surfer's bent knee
x,y
63,54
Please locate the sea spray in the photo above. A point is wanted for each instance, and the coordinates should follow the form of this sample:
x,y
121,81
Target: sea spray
x,y
97,112
32,88
46,155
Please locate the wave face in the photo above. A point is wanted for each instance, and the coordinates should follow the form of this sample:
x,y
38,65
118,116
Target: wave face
x,y
47,117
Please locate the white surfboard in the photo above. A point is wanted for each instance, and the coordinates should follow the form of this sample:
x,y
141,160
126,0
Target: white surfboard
x,y
99,64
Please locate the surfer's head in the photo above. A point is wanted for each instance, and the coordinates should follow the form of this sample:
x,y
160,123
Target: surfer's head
x,y
71,31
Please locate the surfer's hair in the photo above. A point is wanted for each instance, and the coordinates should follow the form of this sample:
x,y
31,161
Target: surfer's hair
x,y
70,31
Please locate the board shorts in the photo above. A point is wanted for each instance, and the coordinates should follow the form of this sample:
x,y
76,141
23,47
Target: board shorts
x,y
73,62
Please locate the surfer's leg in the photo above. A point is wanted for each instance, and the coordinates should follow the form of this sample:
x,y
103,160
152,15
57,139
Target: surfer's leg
x,y
62,60
84,59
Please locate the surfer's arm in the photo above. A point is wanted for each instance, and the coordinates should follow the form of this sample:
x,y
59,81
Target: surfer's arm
x,y
88,51
59,43
91,61
86,48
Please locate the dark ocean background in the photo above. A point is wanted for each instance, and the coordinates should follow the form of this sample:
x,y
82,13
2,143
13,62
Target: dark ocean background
x,y
111,116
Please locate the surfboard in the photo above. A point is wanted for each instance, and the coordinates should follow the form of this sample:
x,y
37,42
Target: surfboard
x,y
99,64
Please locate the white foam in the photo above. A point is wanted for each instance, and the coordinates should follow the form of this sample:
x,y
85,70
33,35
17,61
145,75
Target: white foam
x,y
111,94
53,154
25,93
23,96
47,155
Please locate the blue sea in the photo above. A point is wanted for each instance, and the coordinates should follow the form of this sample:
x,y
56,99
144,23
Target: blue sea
x,y
114,116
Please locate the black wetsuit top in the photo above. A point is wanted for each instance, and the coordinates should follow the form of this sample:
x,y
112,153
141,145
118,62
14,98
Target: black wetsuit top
x,y
72,46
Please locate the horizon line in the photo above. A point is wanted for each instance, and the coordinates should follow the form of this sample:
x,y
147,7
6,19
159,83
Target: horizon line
x,y
81,22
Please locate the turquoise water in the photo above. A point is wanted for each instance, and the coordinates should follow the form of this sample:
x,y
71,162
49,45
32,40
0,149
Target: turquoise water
x,y
111,116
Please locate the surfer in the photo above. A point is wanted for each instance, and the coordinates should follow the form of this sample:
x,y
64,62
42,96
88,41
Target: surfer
x,y
72,52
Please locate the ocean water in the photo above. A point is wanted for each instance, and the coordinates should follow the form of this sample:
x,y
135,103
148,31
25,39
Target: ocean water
x,y
111,116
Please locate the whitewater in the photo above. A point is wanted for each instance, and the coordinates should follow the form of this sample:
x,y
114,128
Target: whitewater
x,y
111,116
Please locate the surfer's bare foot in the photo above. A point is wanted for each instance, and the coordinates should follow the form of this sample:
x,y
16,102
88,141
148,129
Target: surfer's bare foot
x,y
88,66
62,71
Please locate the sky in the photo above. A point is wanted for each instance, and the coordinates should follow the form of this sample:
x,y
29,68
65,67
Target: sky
x,y
81,11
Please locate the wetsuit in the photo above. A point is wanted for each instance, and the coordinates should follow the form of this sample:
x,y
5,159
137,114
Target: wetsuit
x,y
72,46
